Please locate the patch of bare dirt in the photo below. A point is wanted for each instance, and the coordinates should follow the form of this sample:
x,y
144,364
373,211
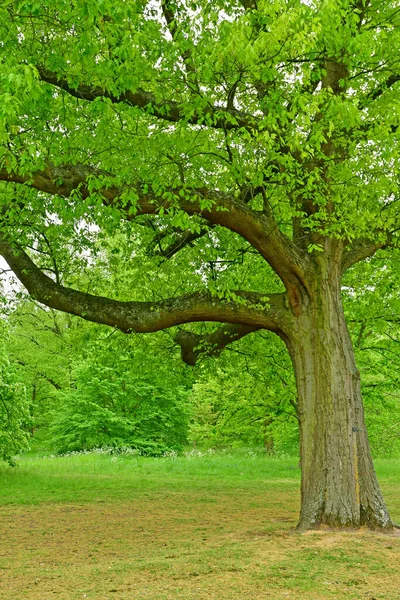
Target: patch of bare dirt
x,y
185,547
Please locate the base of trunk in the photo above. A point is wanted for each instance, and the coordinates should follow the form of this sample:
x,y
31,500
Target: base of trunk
x,y
345,510
367,521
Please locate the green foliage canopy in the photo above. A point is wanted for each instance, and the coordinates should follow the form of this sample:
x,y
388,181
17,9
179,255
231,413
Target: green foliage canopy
x,y
115,402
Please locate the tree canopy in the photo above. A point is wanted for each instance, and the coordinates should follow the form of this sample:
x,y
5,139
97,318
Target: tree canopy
x,y
260,118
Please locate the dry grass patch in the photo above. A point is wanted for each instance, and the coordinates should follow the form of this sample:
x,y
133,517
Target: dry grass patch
x,y
200,545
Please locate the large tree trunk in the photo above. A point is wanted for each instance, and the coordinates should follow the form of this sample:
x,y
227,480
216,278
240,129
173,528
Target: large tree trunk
x,y
339,486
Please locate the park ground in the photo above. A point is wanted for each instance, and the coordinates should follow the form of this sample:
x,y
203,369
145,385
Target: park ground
x,y
199,527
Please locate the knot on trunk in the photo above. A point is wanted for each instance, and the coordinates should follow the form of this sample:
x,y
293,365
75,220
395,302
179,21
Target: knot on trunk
x,y
193,345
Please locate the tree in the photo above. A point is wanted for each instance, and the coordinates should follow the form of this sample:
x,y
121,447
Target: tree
x,y
236,133
90,387
256,409
14,410
371,303
117,403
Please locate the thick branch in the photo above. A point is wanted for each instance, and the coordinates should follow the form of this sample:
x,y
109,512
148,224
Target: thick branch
x,y
169,110
360,250
194,345
259,229
248,4
252,309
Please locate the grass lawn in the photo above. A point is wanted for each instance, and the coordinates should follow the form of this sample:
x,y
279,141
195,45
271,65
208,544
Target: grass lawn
x,y
197,527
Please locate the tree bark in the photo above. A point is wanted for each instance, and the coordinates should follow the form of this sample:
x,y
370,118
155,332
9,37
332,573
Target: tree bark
x,y
339,487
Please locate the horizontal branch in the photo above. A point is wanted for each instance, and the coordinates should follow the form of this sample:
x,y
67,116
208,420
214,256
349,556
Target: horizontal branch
x,y
360,250
259,229
217,117
252,309
194,345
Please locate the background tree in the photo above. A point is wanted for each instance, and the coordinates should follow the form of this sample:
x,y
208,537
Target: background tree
x,y
218,131
258,408
15,417
90,387
371,304
121,398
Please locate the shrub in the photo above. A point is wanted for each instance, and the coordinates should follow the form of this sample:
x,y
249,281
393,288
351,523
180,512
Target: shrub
x,y
117,407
